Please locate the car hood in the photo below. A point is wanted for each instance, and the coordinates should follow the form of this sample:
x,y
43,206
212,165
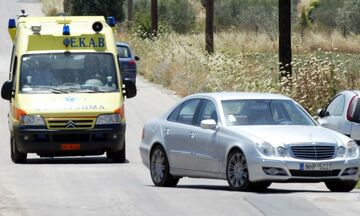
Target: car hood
x,y
282,135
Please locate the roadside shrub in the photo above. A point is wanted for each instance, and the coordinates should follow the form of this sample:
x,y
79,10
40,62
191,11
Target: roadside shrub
x,y
181,64
177,15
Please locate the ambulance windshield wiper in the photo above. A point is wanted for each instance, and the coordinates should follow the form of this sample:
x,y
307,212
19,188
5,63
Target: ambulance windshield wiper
x,y
92,90
58,91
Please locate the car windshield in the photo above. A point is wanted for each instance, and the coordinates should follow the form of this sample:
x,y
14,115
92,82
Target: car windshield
x,y
68,72
123,52
264,112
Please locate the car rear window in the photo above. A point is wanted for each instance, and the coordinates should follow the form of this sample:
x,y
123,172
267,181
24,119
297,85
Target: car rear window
x,y
123,52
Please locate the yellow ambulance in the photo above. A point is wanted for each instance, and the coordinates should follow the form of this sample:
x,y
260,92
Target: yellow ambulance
x,y
65,88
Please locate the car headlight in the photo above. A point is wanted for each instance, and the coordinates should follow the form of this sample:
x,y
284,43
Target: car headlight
x,y
350,150
266,149
283,151
34,120
108,119
341,151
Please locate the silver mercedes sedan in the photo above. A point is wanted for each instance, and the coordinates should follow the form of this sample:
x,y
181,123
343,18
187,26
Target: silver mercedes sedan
x,y
249,139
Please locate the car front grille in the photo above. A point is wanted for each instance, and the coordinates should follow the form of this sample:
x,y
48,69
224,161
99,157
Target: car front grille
x,y
70,124
313,152
327,173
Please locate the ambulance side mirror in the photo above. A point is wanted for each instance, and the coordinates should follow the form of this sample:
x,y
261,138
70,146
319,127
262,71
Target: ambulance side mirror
x,y
130,88
7,90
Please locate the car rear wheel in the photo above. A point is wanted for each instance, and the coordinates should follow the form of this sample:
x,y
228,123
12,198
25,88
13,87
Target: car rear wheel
x,y
341,186
16,156
118,156
237,173
160,169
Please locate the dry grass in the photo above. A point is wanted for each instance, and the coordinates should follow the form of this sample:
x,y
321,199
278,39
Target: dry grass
x,y
244,61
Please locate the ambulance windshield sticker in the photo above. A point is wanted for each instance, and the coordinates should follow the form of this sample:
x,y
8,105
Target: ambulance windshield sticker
x,y
84,42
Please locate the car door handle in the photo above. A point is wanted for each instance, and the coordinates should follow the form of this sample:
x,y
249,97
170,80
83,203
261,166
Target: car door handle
x,y
167,130
192,135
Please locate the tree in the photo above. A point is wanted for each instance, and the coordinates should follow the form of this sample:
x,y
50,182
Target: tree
x,y
154,17
349,17
209,26
130,11
306,18
327,12
98,8
177,14
285,54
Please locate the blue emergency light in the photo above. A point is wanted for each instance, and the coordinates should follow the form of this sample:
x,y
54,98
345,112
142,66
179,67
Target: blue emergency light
x,y
111,21
66,30
12,23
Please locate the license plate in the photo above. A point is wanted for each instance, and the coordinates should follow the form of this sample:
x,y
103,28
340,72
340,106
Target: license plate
x,y
315,166
70,147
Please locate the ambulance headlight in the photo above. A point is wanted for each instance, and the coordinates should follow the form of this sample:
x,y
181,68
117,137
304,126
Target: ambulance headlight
x,y
33,120
97,27
108,119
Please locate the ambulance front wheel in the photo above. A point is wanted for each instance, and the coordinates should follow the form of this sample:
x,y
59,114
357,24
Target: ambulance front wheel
x,y
16,156
118,156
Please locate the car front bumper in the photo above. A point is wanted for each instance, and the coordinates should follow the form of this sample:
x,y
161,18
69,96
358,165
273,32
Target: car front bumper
x,y
47,142
294,172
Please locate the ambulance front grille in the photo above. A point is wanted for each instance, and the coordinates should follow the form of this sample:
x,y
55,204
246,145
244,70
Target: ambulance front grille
x,y
70,124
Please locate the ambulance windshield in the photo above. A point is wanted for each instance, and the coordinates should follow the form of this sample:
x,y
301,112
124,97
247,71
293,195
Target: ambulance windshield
x,y
68,72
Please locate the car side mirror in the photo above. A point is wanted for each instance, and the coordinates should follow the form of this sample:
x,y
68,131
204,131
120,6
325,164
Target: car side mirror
x,y
7,90
209,124
322,113
137,58
130,88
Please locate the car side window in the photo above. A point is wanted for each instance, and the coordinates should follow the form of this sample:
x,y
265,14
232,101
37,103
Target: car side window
x,y
207,111
188,110
174,114
336,107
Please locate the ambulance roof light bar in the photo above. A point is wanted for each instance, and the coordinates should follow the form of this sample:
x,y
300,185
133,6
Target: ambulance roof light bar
x,y
111,21
66,30
12,24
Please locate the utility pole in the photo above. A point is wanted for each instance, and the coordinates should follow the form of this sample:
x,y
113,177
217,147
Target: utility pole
x,y
209,26
154,17
130,12
285,54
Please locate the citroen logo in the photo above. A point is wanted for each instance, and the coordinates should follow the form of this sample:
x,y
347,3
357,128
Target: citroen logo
x,y
70,124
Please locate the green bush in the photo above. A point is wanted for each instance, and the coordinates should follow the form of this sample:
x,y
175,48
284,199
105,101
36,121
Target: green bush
x,y
349,16
177,15
327,12
96,7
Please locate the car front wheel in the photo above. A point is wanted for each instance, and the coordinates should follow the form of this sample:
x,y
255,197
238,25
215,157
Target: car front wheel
x,y
237,173
341,186
160,169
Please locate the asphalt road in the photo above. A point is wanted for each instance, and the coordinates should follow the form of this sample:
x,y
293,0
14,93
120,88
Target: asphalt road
x,y
94,186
